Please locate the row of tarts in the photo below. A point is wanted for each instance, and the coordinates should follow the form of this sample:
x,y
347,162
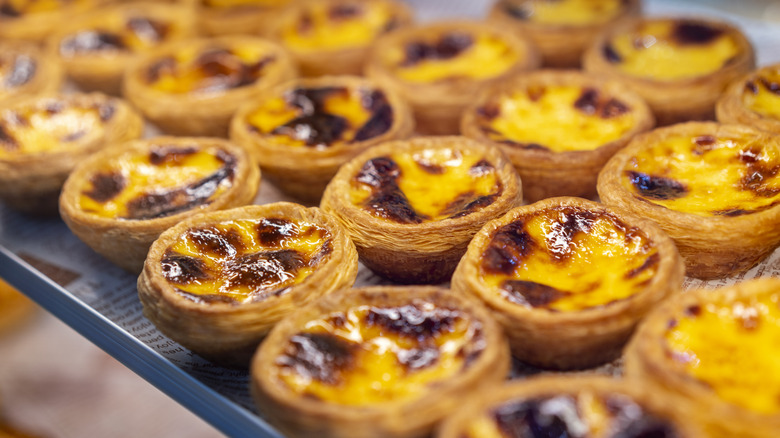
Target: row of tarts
x,y
395,361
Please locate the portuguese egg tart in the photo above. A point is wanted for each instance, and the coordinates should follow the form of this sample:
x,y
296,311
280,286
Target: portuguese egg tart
x,y
753,100
713,188
440,68
678,65
332,37
569,278
716,349
568,406
302,131
34,20
563,29
96,48
411,207
380,362
217,282
236,17
120,199
43,139
27,71
557,127
193,86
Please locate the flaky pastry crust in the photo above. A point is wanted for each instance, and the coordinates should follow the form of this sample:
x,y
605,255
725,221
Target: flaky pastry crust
x,y
43,73
731,107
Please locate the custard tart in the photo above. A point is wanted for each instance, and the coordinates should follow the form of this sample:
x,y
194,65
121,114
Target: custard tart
x,y
411,207
332,37
34,20
27,71
218,282
562,29
569,279
568,406
713,188
98,47
193,86
557,127
302,131
717,351
679,65
753,100
43,139
237,17
119,200
380,362
440,68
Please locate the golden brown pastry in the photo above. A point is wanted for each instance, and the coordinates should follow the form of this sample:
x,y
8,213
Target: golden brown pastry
x,y
119,200
302,131
43,139
218,282
380,362
440,68
411,207
714,351
679,65
569,279
193,87
563,29
753,100
332,37
96,48
34,20
27,71
713,188
557,127
238,17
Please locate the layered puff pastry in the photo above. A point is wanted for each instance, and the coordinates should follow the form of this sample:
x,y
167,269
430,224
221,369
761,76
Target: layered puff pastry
x,y
440,68
753,100
96,48
557,127
713,188
381,362
239,17
27,71
715,353
119,200
43,139
218,282
302,131
679,65
563,29
569,279
34,20
411,207
568,406
193,86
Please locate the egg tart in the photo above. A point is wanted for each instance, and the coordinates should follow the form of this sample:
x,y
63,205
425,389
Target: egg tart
x,y
98,47
557,127
411,207
713,188
193,86
753,100
34,20
716,349
679,65
43,139
567,406
381,362
569,278
303,130
440,68
563,29
218,282
27,71
236,17
332,37
119,200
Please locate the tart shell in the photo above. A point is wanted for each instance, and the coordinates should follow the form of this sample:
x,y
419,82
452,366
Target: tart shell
x,y
731,109
48,78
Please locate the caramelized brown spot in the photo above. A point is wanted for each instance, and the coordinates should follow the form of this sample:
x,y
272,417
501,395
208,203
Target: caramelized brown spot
x,y
91,41
656,187
703,144
758,174
751,87
508,246
274,231
6,9
535,92
610,54
106,111
418,358
261,272
447,47
413,321
73,136
467,203
431,168
381,116
163,67
570,222
539,417
630,420
183,270
695,33
531,294
489,111
387,200
591,102
649,263
7,141
105,186
772,87
149,30
212,240
314,126
318,356
521,11
170,155
733,212
343,12
693,311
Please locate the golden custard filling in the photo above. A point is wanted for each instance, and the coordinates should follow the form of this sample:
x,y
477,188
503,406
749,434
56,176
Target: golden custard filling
x,y
16,8
369,355
452,55
322,117
119,32
412,187
245,260
762,93
557,118
163,181
229,4
564,12
566,259
671,50
51,126
731,348
707,175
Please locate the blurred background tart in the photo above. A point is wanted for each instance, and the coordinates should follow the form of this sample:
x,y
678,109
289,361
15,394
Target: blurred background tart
x,y
239,17
753,100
